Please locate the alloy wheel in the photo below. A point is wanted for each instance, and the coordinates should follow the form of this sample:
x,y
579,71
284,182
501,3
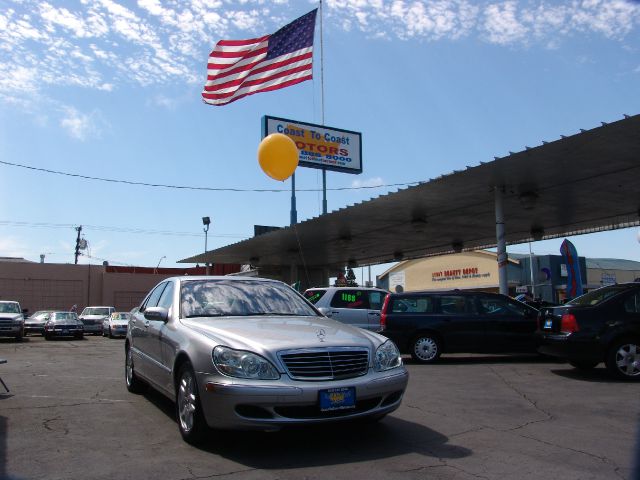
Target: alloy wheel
x,y
186,401
628,359
426,349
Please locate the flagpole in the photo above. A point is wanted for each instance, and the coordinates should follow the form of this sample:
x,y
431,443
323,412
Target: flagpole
x,y
324,170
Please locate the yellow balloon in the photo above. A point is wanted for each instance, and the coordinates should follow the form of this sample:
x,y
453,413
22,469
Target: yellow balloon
x,y
278,156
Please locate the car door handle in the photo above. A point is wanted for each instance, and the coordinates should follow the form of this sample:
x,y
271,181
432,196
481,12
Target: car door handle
x,y
146,324
377,314
333,312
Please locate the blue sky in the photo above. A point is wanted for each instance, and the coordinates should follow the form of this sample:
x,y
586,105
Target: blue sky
x,y
110,89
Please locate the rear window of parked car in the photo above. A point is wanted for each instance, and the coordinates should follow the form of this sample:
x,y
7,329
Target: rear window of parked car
x,y
314,295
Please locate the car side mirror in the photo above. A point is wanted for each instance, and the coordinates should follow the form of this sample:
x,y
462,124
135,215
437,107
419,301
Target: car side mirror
x,y
325,311
157,314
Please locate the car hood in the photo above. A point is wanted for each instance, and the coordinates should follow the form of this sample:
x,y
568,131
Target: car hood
x,y
94,317
11,316
273,334
35,320
119,323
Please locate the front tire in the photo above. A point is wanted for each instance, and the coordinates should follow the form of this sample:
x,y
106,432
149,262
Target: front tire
x,y
134,384
623,359
425,348
188,408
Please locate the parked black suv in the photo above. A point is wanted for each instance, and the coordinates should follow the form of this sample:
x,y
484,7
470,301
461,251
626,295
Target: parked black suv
x,y
426,324
600,326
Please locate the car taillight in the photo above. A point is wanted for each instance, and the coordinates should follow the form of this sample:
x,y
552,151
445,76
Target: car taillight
x,y
568,323
383,313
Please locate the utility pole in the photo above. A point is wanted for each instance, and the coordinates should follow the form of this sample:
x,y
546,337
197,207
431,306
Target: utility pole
x,y
79,230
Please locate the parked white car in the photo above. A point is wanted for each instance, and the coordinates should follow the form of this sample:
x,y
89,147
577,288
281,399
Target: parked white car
x,y
251,353
356,306
116,325
93,317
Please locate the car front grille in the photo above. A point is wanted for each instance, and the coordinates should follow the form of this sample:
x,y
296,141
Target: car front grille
x,y
326,363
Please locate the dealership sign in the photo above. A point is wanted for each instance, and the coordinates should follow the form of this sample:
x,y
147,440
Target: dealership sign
x,y
320,146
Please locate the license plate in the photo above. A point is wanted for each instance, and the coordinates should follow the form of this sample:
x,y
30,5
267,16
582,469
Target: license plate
x,y
548,324
337,398
65,332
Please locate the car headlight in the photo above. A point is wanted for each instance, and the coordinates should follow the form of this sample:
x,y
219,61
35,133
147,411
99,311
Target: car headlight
x,y
243,364
387,357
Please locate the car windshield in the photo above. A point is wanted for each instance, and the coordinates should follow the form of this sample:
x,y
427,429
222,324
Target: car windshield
x,y
218,298
597,296
95,311
120,316
39,316
63,316
9,307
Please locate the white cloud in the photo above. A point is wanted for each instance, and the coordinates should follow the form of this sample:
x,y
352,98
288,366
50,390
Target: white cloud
x,y
502,24
101,44
81,126
13,247
367,183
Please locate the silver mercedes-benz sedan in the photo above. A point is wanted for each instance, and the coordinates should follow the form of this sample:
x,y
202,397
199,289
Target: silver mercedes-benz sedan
x,y
251,353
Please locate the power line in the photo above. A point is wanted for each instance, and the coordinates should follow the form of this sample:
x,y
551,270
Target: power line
x,y
116,229
211,189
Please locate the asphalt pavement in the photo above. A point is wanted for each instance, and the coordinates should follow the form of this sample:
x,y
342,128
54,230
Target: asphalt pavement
x,y
69,416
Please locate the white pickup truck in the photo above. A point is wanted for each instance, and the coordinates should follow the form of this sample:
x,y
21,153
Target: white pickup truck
x,y
11,320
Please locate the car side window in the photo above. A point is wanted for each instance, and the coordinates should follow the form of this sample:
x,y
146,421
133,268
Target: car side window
x,y
494,306
453,305
167,296
154,296
632,304
376,299
412,305
350,299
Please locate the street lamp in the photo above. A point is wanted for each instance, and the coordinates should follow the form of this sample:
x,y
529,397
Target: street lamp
x,y
156,269
205,221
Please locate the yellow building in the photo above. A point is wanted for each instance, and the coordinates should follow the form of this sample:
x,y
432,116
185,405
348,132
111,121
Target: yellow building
x,y
476,270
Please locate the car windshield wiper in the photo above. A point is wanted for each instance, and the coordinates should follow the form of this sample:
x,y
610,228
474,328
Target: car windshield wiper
x,y
274,314
196,315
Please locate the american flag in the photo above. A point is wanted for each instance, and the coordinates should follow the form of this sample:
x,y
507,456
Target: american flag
x,y
238,68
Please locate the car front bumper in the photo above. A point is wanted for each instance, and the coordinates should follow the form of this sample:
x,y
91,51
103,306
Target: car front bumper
x,y
10,330
118,331
33,328
64,332
230,403
93,328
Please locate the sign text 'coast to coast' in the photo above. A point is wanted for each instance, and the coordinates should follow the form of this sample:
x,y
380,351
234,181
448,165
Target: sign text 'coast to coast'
x,y
320,146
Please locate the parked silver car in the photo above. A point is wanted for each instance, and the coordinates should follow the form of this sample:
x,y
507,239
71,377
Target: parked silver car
x,y
36,322
251,353
357,306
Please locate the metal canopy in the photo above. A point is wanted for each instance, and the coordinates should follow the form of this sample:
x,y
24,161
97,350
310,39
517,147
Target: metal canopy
x,y
579,184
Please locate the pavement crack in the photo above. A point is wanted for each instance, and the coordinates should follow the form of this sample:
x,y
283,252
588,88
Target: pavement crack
x,y
47,421
524,396
215,475
604,460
